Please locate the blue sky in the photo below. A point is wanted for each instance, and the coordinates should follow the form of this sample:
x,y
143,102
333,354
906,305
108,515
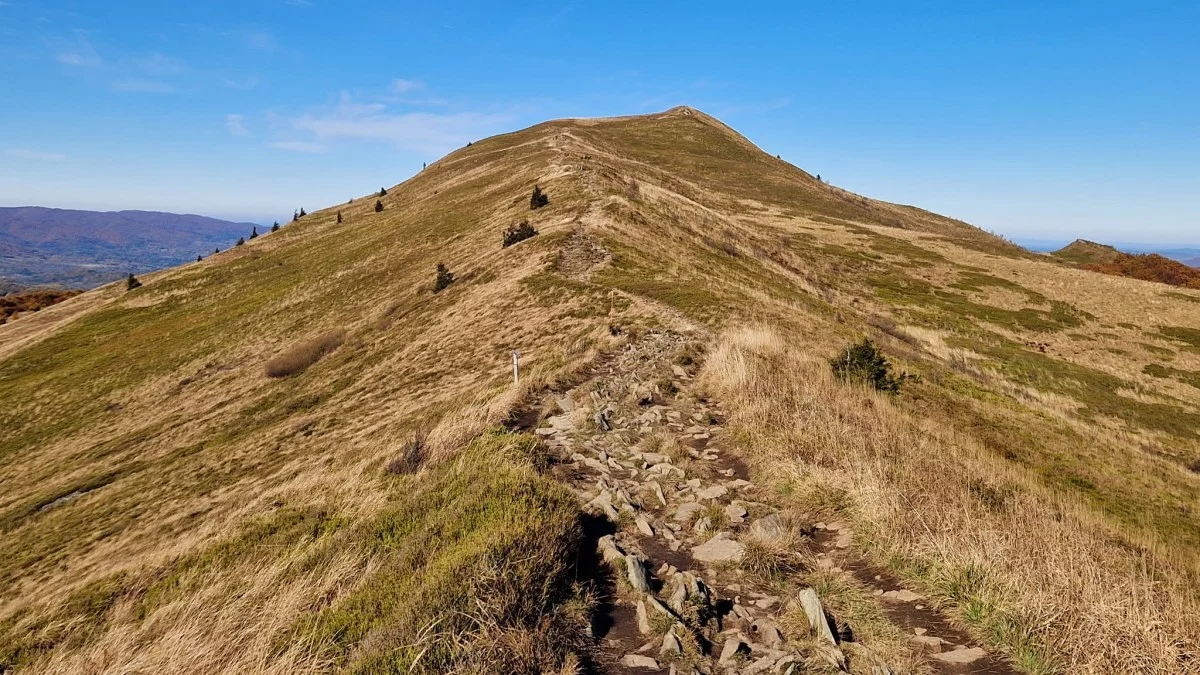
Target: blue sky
x,y
1032,119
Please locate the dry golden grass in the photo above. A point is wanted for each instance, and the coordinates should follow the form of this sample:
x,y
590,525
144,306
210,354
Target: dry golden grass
x,y
1041,493
1023,566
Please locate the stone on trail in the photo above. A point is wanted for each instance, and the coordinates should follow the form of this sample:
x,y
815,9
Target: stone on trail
x,y
721,548
639,661
566,403
609,550
816,615
771,529
714,492
658,492
961,656
670,643
686,510
736,513
733,646
928,643
636,572
902,595
644,527
703,525
643,619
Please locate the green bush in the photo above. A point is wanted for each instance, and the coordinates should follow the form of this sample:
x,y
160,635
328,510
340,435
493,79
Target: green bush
x,y
131,282
864,363
519,232
444,278
538,199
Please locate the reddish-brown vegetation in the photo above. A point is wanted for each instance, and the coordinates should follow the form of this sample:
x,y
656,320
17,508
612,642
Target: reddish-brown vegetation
x,y
31,301
1150,267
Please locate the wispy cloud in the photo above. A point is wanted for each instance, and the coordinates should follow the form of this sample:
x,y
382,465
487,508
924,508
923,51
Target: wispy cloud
x,y
246,82
300,146
236,124
159,65
21,153
79,59
403,86
141,85
431,133
260,40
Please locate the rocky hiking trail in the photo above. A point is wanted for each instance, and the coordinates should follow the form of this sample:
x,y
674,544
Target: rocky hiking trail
x,y
695,570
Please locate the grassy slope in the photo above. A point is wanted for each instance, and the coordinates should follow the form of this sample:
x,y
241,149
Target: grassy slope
x,y
151,415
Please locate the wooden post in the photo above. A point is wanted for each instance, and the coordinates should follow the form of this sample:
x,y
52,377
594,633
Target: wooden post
x,y
516,366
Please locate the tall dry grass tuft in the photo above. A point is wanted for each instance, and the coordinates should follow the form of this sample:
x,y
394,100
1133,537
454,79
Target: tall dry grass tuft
x,y
302,355
1037,572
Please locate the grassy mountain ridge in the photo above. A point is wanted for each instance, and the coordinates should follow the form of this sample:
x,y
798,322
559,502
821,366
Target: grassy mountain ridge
x,y
149,455
1144,266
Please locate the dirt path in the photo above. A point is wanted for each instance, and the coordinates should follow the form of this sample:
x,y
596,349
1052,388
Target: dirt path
x,y
696,571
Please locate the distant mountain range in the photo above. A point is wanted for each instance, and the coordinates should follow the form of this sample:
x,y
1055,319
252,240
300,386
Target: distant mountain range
x,y
83,249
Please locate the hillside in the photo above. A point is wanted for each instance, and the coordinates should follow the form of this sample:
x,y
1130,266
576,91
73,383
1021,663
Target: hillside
x,y
297,456
83,249
1145,266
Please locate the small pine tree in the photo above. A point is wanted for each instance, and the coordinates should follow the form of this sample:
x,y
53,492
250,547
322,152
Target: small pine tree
x,y
302,213
382,192
339,217
378,206
295,216
216,251
199,258
131,282
864,363
538,199
444,278
819,179
275,227
240,241
254,233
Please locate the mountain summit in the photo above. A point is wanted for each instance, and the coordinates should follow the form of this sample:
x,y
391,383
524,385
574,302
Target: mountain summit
x,y
455,426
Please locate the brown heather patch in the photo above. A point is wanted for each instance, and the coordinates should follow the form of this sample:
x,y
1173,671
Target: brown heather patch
x,y
302,355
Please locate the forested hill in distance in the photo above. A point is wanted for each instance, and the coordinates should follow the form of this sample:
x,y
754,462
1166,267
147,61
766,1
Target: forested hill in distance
x,y
83,249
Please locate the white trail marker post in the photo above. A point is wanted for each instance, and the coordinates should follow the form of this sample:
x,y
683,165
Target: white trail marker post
x,y
516,366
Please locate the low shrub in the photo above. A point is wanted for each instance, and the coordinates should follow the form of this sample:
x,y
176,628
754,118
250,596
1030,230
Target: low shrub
x,y
519,232
444,278
864,363
378,206
412,456
300,356
131,282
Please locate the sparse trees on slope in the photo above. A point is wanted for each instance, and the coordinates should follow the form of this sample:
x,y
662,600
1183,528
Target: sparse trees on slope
x,y
444,278
295,216
302,213
538,199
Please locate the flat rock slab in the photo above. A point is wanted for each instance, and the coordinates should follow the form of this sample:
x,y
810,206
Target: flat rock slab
x,y
639,661
721,548
902,595
961,656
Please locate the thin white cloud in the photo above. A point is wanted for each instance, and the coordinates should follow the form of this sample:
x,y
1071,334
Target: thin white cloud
x,y
141,86
300,146
247,82
79,59
21,153
260,40
432,133
159,65
403,86
236,124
